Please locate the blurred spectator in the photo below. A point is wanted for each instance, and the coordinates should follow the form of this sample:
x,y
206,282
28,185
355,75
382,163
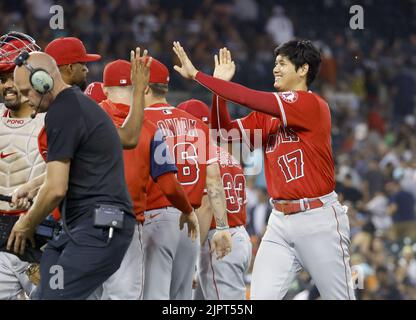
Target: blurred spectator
x,y
377,208
347,191
402,209
279,26
386,286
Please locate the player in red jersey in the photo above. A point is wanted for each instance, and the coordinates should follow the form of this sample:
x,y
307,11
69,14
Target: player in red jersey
x,y
95,91
308,227
139,166
170,255
222,279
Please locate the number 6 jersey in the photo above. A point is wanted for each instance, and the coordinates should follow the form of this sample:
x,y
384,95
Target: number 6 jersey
x,y
190,146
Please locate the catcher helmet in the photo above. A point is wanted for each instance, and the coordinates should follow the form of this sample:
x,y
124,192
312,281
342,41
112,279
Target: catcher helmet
x,y
11,45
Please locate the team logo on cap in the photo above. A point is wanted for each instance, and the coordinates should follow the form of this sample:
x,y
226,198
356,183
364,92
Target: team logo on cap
x,y
289,96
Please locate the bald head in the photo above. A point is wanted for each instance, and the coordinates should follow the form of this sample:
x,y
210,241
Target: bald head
x,y
38,60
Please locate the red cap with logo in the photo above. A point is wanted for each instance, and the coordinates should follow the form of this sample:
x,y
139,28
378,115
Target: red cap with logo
x,y
158,72
95,91
69,50
197,108
117,74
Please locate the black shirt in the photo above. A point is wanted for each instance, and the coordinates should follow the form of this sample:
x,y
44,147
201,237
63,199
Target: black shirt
x,y
79,130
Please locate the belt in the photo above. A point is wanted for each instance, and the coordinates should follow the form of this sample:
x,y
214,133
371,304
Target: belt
x,y
294,206
12,212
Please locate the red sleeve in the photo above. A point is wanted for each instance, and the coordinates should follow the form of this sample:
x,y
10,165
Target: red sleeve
x,y
220,117
248,127
257,100
174,192
293,108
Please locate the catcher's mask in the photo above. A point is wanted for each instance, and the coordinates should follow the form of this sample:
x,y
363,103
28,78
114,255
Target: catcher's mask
x,y
11,45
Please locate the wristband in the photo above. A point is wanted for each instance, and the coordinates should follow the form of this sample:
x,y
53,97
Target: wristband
x,y
222,228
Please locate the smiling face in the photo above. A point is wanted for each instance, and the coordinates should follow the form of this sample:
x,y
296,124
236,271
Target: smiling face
x,y
10,93
286,77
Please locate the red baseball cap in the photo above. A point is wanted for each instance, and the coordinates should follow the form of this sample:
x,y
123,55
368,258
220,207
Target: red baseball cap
x,y
95,91
117,74
197,108
158,72
69,50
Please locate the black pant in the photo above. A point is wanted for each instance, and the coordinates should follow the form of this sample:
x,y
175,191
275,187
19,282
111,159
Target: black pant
x,y
83,266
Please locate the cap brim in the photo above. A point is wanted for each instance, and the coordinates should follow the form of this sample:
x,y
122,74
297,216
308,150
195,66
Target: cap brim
x,y
90,58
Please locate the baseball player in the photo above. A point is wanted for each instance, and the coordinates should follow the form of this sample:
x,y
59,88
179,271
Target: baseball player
x,y
170,255
20,162
71,57
223,279
95,91
139,164
70,54
308,227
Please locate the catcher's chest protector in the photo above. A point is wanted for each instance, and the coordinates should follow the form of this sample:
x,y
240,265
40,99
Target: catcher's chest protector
x,y
20,160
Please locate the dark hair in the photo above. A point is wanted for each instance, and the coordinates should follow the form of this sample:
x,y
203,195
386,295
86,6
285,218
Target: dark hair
x,y
159,90
300,52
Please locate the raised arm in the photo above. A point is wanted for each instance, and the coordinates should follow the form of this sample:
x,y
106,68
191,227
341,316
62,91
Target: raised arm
x,y
140,70
293,108
257,100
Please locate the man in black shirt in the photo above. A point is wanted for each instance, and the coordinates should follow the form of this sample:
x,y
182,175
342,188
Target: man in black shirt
x,y
84,165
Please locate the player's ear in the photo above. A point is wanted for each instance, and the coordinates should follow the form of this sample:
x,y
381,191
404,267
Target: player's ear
x,y
303,70
105,90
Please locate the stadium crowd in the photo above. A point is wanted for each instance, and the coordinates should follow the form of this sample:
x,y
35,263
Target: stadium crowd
x,y
368,76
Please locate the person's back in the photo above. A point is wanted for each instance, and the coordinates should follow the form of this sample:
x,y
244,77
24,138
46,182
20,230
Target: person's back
x,y
188,140
97,172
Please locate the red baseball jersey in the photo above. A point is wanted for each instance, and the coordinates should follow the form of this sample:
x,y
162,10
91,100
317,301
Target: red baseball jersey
x,y
190,146
296,142
43,150
234,184
138,162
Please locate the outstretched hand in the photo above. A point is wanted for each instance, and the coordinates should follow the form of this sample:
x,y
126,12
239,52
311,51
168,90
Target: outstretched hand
x,y
140,69
187,69
224,65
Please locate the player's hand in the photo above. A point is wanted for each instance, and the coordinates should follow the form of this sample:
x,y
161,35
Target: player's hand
x,y
193,226
140,69
22,197
21,232
221,243
224,65
187,69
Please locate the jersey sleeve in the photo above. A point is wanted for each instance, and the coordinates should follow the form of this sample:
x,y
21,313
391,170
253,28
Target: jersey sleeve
x,y
160,160
65,130
293,108
211,156
298,109
221,120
